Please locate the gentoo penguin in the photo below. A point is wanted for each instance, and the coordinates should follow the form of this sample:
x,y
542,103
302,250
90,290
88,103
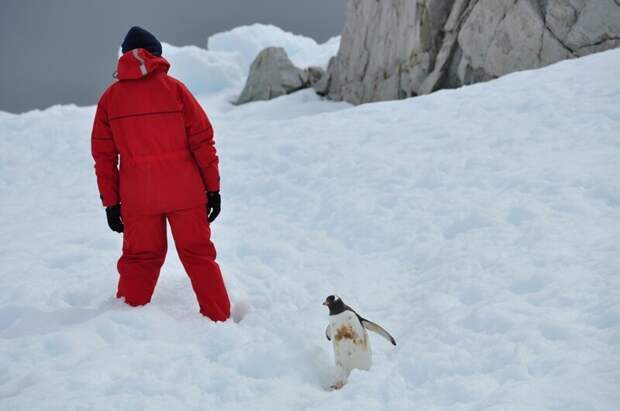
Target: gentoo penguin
x,y
347,332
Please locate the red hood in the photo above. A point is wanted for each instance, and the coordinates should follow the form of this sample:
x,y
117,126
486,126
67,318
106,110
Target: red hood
x,y
138,63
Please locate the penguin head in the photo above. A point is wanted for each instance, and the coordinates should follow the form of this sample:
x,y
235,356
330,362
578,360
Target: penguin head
x,y
335,304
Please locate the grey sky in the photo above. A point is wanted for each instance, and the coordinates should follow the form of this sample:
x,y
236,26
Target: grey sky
x,y
64,51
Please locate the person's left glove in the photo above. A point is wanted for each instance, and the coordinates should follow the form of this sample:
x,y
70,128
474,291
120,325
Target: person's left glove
x,y
214,205
114,218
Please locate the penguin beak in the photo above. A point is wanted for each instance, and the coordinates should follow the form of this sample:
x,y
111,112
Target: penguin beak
x,y
325,303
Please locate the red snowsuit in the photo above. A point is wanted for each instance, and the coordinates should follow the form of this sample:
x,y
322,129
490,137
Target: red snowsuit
x,y
167,161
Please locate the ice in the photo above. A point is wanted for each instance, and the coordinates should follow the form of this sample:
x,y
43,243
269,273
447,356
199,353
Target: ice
x,y
479,226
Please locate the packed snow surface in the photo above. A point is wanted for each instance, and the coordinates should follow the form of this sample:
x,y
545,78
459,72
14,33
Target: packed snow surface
x,y
479,226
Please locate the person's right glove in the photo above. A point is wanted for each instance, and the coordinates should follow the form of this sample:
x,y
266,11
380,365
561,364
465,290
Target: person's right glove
x,y
114,218
214,205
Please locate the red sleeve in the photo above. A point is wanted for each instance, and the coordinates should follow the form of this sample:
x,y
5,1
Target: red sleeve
x,y
105,155
201,142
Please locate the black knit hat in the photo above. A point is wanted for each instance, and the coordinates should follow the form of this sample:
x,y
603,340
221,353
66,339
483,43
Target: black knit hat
x,y
138,38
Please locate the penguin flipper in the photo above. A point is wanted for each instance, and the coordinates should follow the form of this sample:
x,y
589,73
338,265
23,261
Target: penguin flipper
x,y
369,325
328,332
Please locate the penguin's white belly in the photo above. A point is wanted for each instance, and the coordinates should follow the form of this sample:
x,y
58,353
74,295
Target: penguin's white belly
x,y
350,340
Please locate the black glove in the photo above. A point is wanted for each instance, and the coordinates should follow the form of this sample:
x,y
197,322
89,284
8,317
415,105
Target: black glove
x,y
214,205
114,218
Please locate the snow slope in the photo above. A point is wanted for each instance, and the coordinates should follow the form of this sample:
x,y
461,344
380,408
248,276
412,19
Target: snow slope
x,y
479,226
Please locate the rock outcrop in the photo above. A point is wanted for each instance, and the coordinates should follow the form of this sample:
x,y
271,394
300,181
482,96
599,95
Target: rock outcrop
x,y
394,49
272,74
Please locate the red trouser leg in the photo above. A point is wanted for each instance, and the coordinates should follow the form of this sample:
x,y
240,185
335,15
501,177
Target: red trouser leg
x,y
144,251
192,237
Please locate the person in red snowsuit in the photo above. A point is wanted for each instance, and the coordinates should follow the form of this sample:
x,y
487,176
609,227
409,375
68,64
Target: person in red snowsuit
x,y
168,171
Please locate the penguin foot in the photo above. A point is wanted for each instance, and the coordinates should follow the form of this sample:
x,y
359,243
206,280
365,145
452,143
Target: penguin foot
x,y
338,385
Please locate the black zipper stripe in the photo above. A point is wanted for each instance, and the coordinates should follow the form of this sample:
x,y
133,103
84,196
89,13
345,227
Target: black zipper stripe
x,y
198,132
152,113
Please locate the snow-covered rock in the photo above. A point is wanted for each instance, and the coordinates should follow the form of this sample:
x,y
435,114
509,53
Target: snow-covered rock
x,y
399,48
272,74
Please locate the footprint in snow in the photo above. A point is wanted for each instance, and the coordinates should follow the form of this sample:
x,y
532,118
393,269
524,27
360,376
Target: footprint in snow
x,y
239,310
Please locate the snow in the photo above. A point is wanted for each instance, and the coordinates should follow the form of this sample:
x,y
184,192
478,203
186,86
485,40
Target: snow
x,y
226,62
204,71
479,226
248,41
